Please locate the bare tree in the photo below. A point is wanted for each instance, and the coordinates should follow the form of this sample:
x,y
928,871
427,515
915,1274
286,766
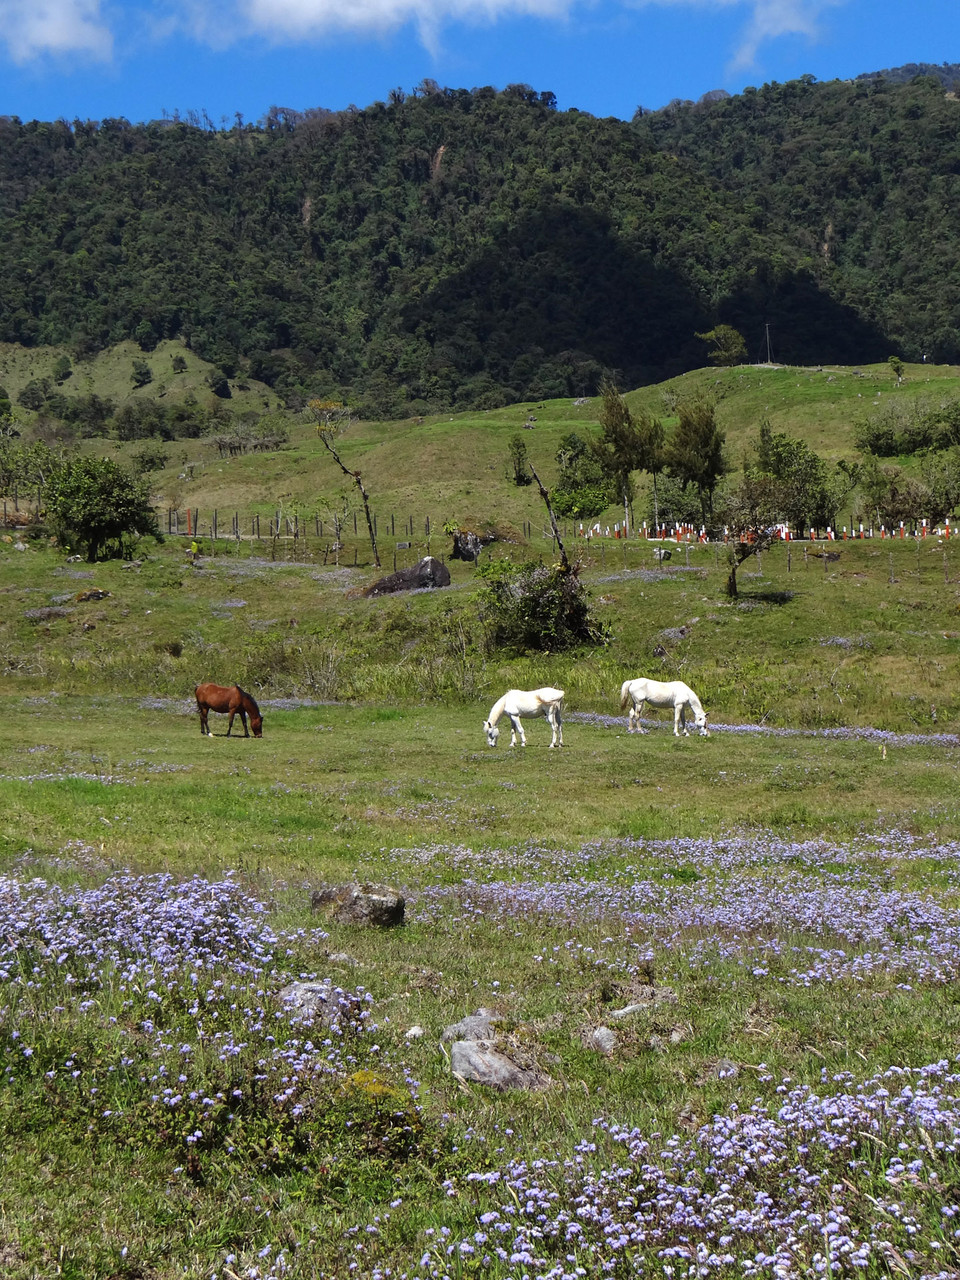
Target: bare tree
x,y
544,494
332,419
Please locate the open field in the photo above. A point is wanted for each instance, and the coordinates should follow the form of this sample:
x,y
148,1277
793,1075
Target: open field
x,y
777,904
866,636
780,911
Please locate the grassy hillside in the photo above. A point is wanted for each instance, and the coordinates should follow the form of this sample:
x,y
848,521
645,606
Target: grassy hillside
x,y
108,374
456,467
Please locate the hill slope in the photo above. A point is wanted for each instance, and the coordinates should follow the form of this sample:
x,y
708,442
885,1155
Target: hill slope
x,y
476,248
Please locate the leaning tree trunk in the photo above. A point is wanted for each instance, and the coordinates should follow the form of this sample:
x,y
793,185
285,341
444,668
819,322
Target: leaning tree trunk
x,y
564,562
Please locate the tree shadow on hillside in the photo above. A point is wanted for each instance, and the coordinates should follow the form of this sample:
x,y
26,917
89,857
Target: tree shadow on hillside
x,y
558,291
561,295
806,324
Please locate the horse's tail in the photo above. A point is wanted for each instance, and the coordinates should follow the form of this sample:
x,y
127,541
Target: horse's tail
x,y
624,694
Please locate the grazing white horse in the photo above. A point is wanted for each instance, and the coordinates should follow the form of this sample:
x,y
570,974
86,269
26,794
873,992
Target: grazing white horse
x,y
662,695
517,703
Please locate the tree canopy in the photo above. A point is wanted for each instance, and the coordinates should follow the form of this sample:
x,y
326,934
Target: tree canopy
x,y
94,504
475,248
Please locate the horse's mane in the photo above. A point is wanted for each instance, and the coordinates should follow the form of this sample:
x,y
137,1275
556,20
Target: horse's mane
x,y
496,711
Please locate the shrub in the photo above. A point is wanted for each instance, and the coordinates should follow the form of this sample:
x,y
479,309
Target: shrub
x,y
531,606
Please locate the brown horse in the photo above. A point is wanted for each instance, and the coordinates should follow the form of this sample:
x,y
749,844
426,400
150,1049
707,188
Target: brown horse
x,y
214,697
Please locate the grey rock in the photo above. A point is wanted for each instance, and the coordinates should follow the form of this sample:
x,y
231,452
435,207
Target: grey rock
x,y
364,904
602,1039
311,997
343,957
430,572
467,544
477,1026
415,1033
481,1063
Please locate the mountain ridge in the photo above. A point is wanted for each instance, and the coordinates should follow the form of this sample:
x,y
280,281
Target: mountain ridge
x,y
458,248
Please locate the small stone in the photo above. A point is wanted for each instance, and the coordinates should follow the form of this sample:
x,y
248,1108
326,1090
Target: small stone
x,y
414,1033
364,904
628,1011
477,1026
602,1039
482,1064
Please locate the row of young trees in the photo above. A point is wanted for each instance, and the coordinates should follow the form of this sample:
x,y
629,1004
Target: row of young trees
x,y
686,467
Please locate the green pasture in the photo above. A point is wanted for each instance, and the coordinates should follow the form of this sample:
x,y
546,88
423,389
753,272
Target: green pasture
x,y
455,467
373,765
95,785
328,788
845,634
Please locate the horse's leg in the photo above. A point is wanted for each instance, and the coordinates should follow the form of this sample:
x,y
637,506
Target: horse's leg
x,y
678,720
557,728
203,721
230,723
243,721
517,728
637,711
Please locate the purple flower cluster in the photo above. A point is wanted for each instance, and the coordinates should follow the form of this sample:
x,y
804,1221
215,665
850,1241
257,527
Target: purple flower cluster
x,y
852,1180
178,983
798,912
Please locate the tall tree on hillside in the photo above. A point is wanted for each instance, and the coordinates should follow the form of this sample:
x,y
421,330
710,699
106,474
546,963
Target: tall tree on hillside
x,y
652,451
810,492
619,447
333,418
695,451
727,345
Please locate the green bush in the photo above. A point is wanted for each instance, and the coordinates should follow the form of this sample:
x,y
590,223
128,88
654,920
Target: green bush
x,y
531,606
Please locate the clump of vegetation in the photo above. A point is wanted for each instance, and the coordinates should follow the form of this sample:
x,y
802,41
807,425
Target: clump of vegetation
x,y
533,606
584,487
518,461
94,504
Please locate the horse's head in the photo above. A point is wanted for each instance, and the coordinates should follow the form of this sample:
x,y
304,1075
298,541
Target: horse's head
x,y
700,720
492,732
256,724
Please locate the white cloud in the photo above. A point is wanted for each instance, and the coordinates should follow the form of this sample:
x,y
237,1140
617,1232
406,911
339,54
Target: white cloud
x,y
301,19
32,28
774,18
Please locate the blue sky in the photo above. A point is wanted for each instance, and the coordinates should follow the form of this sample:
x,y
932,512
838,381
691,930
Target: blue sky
x,y
99,58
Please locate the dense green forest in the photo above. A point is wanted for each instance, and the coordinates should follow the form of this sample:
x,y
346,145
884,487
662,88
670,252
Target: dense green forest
x,y
474,248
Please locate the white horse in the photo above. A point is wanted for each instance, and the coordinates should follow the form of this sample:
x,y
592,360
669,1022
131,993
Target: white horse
x,y
517,703
662,695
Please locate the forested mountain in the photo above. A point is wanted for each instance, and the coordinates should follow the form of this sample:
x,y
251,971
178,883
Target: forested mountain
x,y
460,248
